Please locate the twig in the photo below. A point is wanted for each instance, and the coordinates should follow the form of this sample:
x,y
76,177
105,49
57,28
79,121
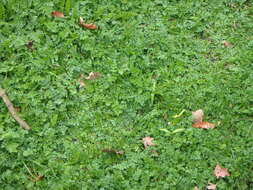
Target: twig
x,y
12,110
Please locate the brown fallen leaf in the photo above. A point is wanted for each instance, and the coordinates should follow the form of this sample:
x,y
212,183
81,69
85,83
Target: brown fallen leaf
x,y
88,26
29,45
211,186
221,172
57,14
147,141
196,188
113,151
226,43
93,75
197,116
203,125
81,82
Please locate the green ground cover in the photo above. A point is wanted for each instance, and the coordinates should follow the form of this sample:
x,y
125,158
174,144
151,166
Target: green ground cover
x,y
156,58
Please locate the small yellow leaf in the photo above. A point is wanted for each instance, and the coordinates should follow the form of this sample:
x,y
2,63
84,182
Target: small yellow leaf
x,y
180,114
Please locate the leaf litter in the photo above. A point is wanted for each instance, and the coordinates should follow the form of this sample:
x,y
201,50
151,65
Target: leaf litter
x,y
87,26
147,141
220,172
57,14
211,186
197,118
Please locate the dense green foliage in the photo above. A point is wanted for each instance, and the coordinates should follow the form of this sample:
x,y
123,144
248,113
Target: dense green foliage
x,y
156,59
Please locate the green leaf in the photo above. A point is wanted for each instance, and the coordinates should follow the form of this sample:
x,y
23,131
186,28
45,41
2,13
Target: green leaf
x,y
178,130
67,6
12,147
28,152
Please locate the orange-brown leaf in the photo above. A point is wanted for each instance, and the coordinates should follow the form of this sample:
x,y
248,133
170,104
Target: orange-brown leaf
x,y
88,26
147,141
203,125
57,14
221,172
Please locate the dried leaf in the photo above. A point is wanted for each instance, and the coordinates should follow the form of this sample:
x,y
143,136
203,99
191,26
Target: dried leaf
x,y
211,186
57,14
203,125
88,26
220,172
198,122
113,151
196,188
226,43
81,82
93,75
29,45
147,141
197,116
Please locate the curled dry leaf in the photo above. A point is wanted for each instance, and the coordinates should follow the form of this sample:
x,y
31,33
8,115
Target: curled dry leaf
x,y
88,26
211,186
197,116
221,172
226,43
147,141
93,75
203,125
198,122
57,14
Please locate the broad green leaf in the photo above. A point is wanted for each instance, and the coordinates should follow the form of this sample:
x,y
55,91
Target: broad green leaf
x,y
12,147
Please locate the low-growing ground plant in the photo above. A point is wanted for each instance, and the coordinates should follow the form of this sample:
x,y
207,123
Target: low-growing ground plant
x,y
108,89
